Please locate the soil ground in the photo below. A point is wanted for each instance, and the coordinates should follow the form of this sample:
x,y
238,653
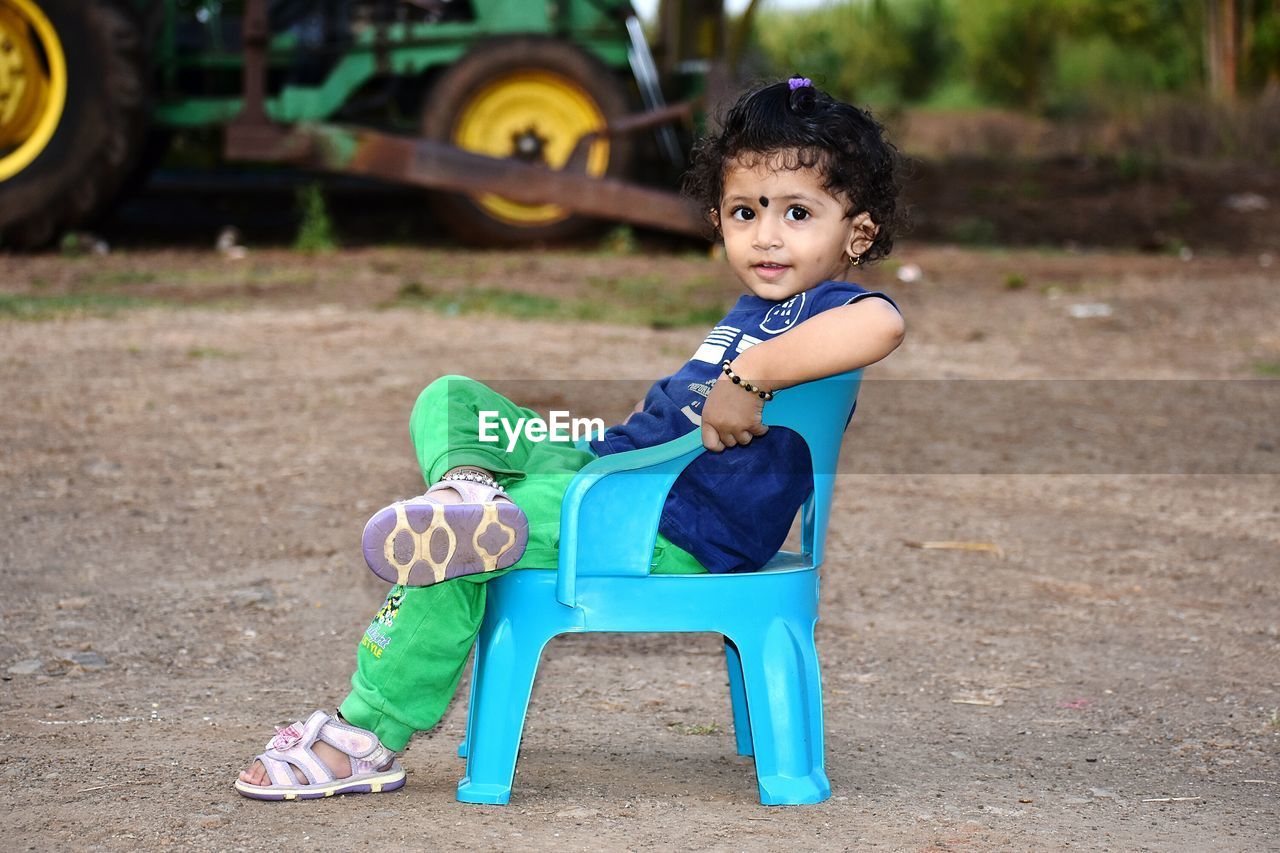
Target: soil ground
x,y
192,444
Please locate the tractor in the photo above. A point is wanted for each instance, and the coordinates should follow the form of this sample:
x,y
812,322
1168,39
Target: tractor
x,y
527,120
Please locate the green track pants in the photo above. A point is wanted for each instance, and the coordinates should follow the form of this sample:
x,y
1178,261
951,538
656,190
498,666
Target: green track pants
x,y
410,658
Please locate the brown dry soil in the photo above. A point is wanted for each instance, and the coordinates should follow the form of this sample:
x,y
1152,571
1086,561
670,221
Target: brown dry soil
x,y
191,446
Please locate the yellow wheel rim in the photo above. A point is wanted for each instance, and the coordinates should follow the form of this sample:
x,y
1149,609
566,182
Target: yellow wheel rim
x,y
539,115
33,84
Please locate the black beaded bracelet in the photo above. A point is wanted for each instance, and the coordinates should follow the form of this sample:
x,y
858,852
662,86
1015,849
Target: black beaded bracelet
x,y
738,380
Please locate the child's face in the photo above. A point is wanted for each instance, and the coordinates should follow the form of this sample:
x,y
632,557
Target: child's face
x,y
784,232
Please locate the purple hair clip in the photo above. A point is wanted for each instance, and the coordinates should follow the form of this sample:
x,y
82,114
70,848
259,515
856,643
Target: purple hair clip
x,y
799,83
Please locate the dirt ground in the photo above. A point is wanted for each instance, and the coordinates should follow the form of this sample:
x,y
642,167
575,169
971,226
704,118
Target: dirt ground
x,y
184,478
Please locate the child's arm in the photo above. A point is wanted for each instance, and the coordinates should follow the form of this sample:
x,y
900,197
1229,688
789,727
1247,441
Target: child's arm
x,y
834,341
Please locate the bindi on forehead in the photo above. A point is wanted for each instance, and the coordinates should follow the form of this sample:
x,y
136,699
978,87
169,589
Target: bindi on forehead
x,y
764,202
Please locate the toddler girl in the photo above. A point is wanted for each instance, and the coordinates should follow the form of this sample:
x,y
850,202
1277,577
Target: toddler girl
x,y
801,188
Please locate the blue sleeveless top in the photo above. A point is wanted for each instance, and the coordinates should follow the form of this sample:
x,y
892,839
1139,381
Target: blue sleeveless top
x,y
731,510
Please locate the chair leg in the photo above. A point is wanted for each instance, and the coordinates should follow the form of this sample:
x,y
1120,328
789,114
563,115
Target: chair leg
x,y
471,705
784,694
738,699
501,683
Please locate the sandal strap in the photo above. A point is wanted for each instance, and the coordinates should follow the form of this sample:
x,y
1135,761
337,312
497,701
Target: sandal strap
x,y
358,744
292,747
293,744
472,493
304,759
279,772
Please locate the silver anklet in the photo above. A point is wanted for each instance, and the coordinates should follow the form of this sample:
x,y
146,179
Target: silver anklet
x,y
471,475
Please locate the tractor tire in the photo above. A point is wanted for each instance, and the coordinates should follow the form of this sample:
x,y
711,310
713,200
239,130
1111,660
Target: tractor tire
x,y
73,113
532,94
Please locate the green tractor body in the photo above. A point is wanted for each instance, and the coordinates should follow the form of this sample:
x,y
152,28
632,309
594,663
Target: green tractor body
x,y
322,54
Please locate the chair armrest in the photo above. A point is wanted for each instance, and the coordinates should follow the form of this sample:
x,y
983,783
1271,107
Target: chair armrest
x,y
609,516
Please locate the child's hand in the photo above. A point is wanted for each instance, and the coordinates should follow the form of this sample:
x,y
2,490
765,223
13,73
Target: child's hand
x,y
732,416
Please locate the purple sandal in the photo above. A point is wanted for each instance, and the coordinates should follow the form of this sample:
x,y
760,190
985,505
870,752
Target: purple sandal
x,y
423,540
291,748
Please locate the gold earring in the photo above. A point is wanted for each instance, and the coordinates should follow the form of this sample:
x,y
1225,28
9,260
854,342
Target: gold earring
x,y
853,262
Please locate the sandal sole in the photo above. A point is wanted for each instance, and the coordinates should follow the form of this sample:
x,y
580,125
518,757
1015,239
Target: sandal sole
x,y
380,784
425,543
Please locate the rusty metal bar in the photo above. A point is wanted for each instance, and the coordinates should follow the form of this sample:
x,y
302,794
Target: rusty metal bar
x,y
405,160
577,161
252,135
257,35
440,166
662,115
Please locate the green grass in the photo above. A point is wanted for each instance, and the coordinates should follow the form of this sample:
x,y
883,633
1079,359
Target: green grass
x,y
482,300
194,279
1181,208
210,352
640,300
656,301
315,231
18,307
973,231
1049,288
112,278
1132,167
1269,369
620,241
1028,188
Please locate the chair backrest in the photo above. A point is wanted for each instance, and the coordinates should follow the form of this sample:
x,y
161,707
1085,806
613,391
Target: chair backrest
x,y
609,522
819,412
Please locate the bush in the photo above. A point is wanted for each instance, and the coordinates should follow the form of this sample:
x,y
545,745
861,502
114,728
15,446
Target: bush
x,y
1134,71
1009,47
873,52
315,232
1095,75
1061,55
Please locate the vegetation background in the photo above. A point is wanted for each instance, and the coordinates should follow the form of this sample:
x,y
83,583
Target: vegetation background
x,y
1168,78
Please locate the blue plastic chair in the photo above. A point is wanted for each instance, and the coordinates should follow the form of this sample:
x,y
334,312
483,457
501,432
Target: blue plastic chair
x,y
608,526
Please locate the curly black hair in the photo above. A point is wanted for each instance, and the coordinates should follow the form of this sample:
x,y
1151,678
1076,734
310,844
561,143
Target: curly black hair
x,y
799,127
